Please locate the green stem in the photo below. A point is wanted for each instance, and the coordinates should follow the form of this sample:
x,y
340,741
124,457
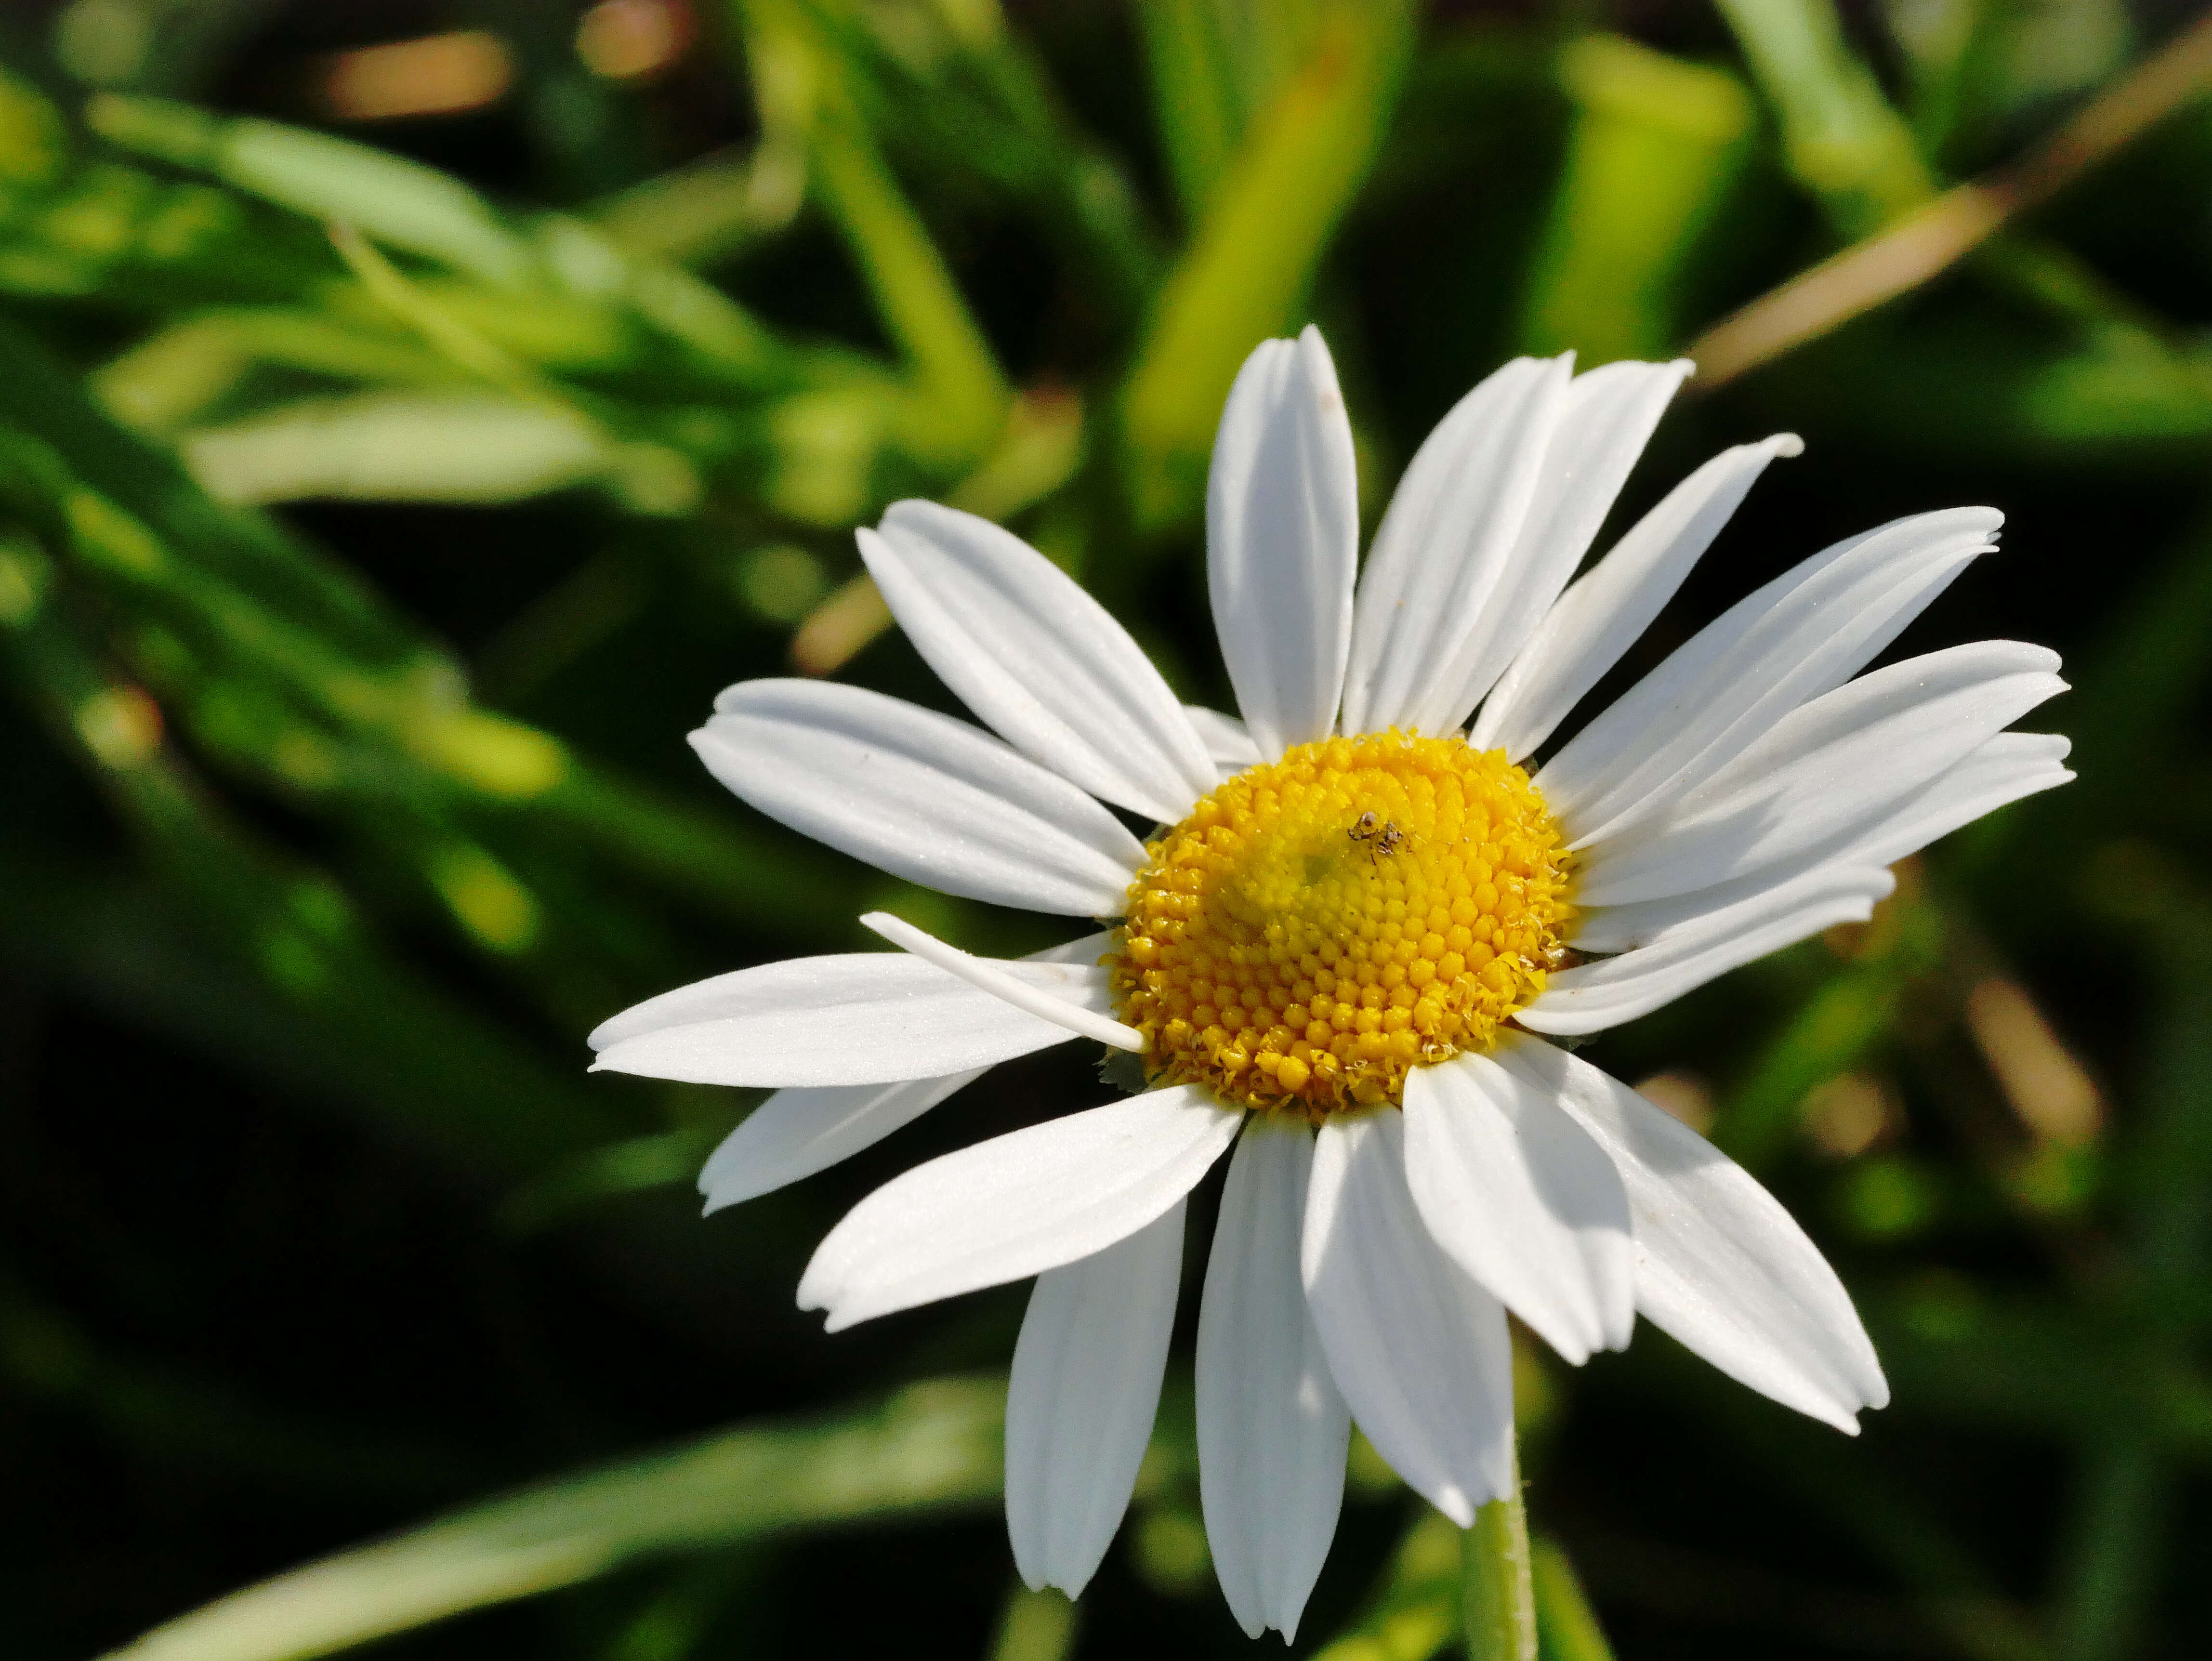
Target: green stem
x,y
1500,1594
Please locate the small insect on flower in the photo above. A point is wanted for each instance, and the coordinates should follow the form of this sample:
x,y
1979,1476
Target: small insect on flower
x,y
1382,841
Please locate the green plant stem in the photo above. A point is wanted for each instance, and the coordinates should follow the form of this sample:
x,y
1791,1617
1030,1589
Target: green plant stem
x,y
1500,1592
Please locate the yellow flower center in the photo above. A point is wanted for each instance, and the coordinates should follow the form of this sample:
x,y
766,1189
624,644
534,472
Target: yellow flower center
x,y
1321,924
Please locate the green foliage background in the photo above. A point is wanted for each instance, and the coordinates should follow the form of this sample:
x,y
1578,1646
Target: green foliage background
x,y
379,506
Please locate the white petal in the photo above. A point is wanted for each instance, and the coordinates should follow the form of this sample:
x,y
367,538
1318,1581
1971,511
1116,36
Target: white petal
x,y
1604,425
1282,540
1016,1205
1722,1266
858,1018
1228,740
796,1133
1802,635
1593,996
1037,660
1272,1429
1420,1352
1443,545
1084,952
2002,769
1825,769
1600,616
789,983
1518,1194
1007,981
918,795
1081,1403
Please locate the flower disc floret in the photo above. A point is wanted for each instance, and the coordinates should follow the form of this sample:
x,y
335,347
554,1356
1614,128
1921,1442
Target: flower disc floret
x,y
1322,924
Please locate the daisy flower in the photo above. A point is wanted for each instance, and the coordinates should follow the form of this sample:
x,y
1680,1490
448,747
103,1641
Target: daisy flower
x,y
1342,956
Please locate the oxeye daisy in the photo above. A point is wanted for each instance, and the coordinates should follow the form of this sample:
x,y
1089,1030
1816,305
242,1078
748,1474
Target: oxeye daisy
x,y
1338,959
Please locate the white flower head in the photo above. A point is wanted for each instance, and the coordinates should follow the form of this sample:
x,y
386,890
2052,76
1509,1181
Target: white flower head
x,y
1337,955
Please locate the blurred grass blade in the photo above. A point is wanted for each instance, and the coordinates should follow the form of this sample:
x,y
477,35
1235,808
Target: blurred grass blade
x,y
650,478
1039,452
584,289
399,202
1930,239
1195,98
398,447
671,1159
233,543
960,96
253,957
2119,1531
1415,1610
440,329
1252,260
932,1445
1567,1628
839,628
1656,145
1035,1626
1215,66
677,1623
32,144
1083,188
2121,1526
301,631
958,379
1853,1010
710,208
1843,140
175,377
922,307
2030,1366
1950,54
